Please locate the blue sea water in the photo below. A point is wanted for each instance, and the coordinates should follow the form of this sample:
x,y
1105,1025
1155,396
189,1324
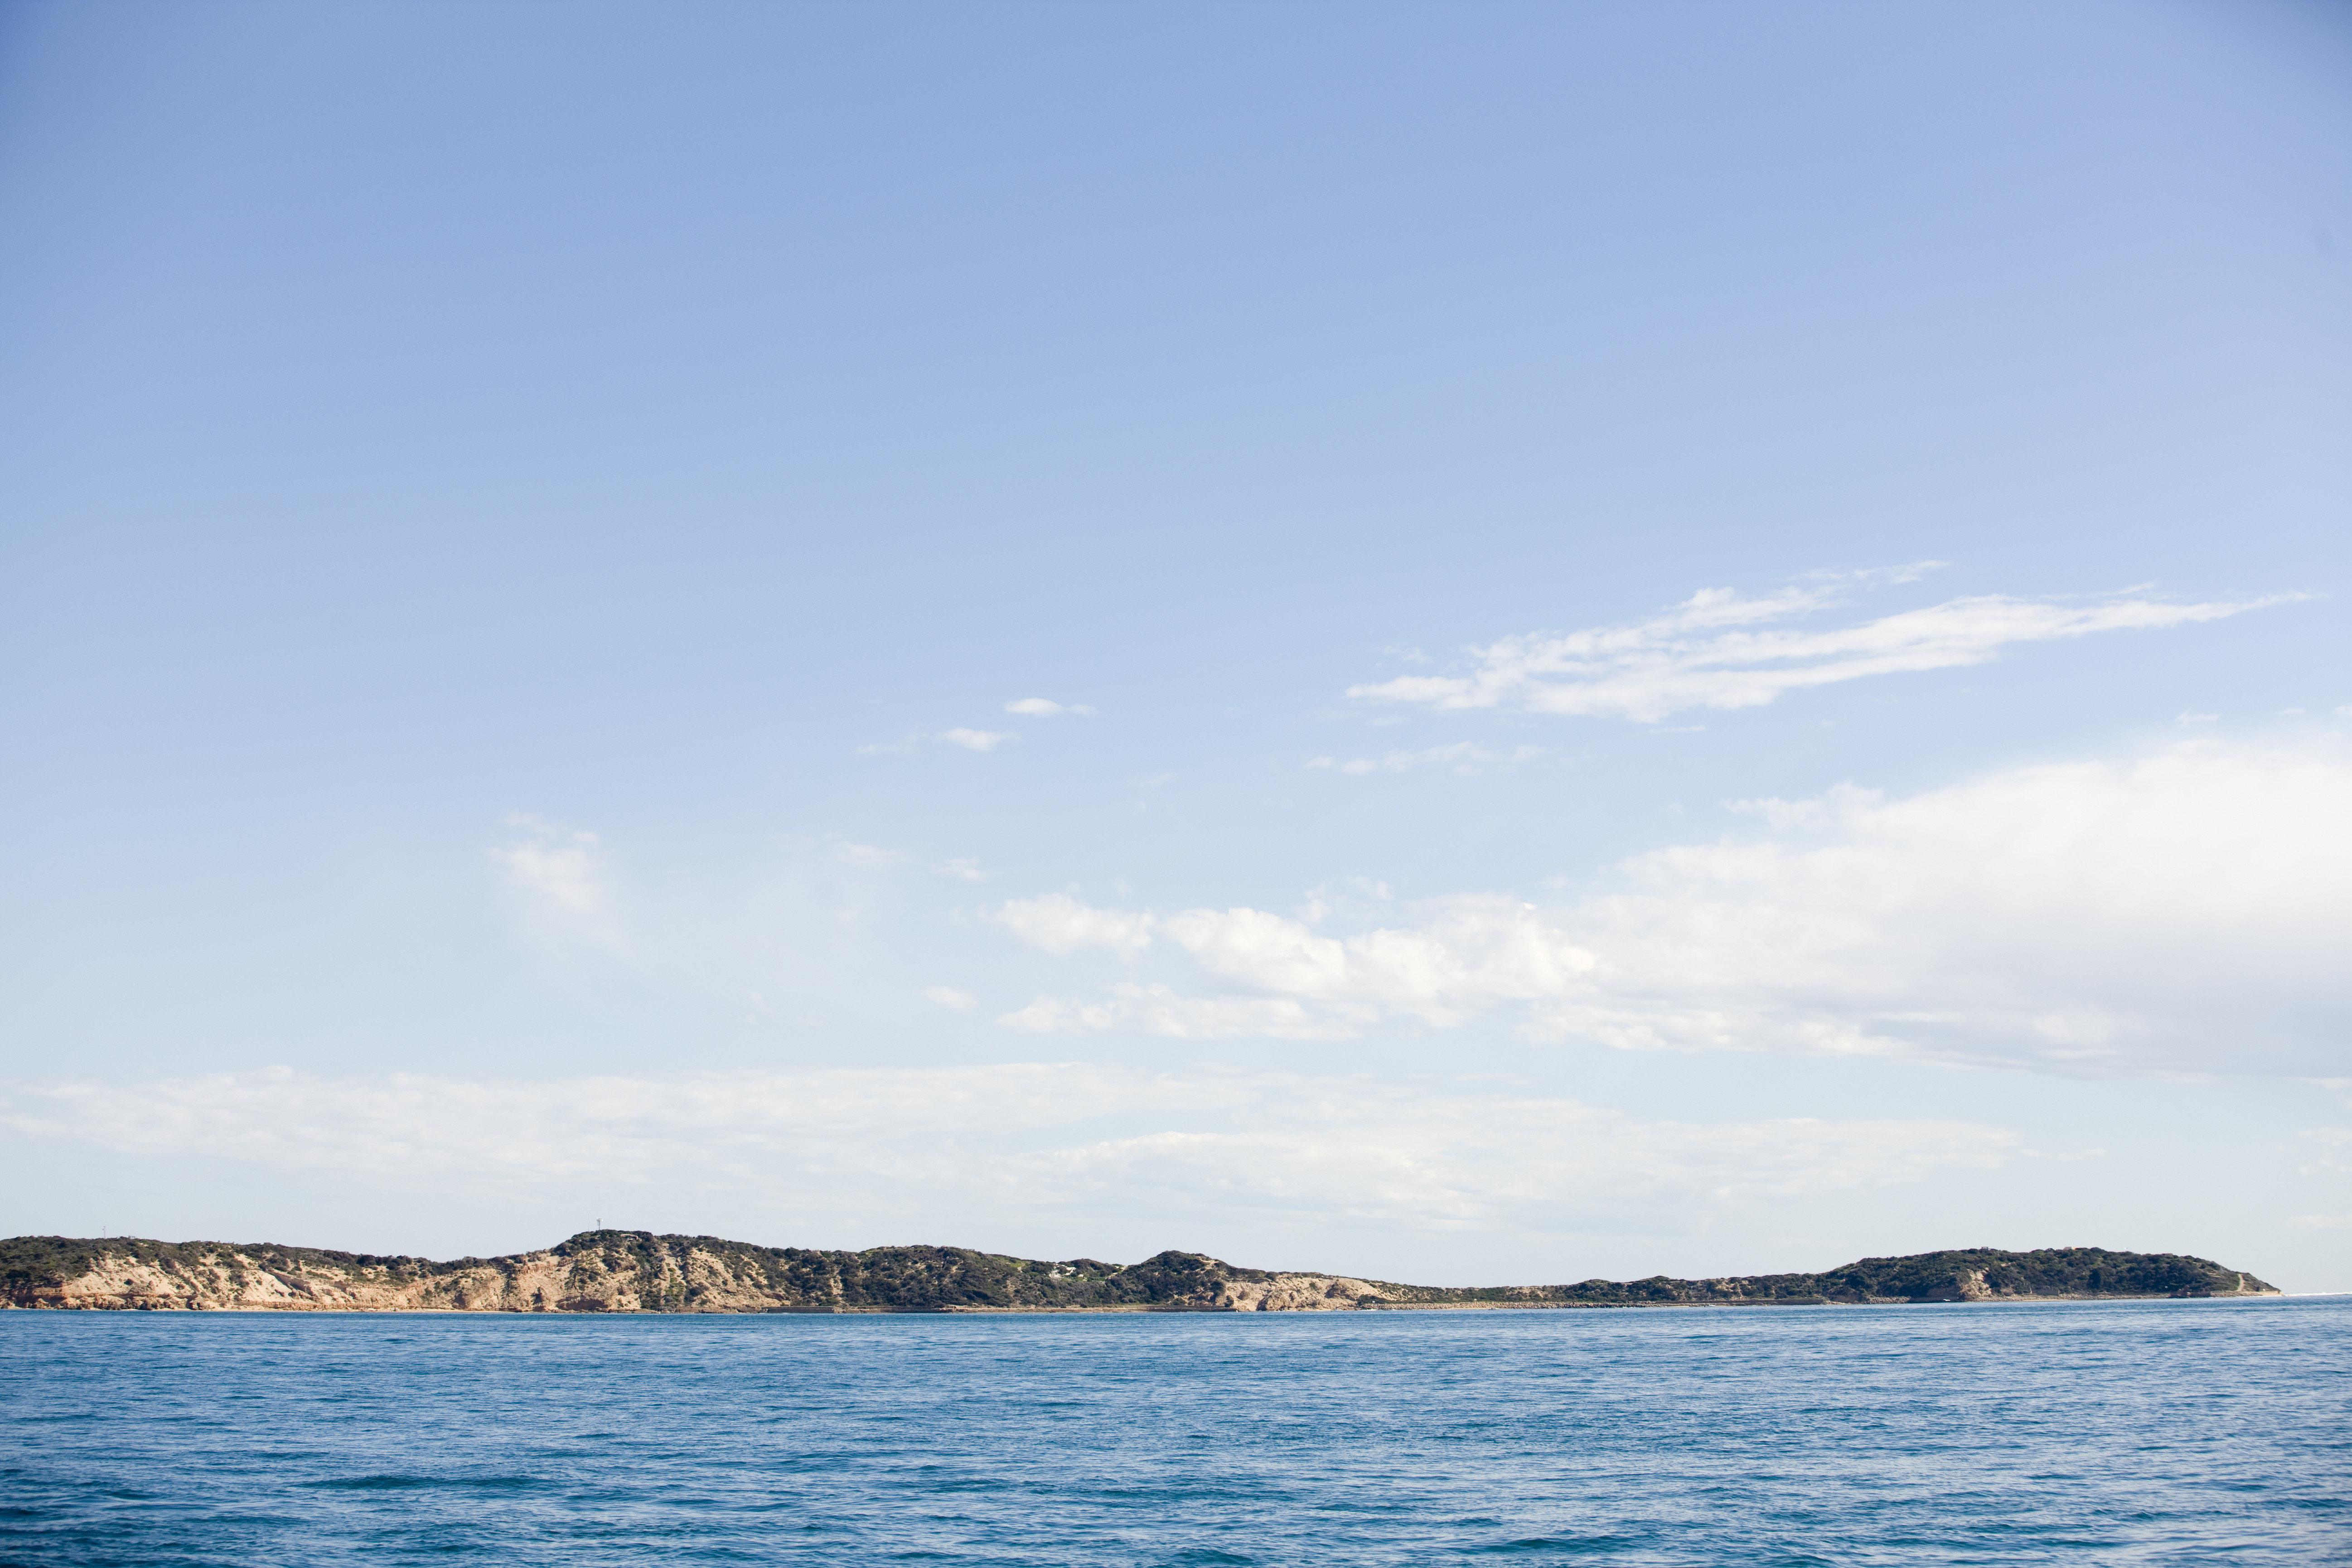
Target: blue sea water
x,y
2160,1432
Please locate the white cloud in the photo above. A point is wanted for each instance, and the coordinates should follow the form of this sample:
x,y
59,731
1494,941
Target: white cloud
x,y
1709,652
1464,757
949,996
963,869
1046,708
976,740
1019,1137
1056,922
2179,912
1467,953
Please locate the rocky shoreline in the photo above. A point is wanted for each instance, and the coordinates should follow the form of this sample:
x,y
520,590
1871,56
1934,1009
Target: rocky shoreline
x,y
636,1271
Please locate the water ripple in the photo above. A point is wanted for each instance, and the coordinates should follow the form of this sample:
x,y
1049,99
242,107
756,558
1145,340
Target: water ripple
x,y
2154,1433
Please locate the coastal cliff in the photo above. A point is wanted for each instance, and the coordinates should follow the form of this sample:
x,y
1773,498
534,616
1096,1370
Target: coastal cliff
x,y
634,1271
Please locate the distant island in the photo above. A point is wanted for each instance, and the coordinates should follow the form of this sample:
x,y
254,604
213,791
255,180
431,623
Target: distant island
x,y
636,1271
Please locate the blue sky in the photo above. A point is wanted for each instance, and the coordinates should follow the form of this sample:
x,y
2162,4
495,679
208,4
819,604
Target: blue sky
x,y
1459,643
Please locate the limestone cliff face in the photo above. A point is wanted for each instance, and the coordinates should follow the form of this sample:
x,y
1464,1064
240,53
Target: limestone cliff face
x,y
626,1271
218,1279
231,1278
633,1271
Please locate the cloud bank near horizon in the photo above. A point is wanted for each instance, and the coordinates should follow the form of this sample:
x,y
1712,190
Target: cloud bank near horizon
x,y
1721,651
2181,911
1035,1137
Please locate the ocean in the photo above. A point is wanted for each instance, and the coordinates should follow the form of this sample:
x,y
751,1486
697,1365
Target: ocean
x,y
2145,1431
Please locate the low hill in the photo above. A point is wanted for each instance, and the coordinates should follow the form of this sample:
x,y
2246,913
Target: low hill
x,y
636,1271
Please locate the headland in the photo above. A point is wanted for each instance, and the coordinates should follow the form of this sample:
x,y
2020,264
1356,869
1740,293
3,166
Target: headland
x,y
638,1271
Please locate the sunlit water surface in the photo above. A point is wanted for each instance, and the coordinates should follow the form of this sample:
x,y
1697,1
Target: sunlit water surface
x,y
2146,1432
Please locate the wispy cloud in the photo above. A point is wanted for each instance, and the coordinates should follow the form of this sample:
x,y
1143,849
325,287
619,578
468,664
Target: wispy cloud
x,y
950,996
560,882
1465,757
562,865
850,853
976,740
1046,708
1720,649
2337,1159
1160,1010
2177,912
1030,1136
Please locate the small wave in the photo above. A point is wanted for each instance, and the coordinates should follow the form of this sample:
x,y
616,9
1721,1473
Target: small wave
x,y
425,1483
1558,1546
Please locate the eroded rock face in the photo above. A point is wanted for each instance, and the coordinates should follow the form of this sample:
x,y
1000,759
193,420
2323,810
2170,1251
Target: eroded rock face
x,y
1967,1285
633,1271
1296,1293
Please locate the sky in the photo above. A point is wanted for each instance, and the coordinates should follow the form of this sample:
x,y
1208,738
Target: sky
x,y
1467,644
